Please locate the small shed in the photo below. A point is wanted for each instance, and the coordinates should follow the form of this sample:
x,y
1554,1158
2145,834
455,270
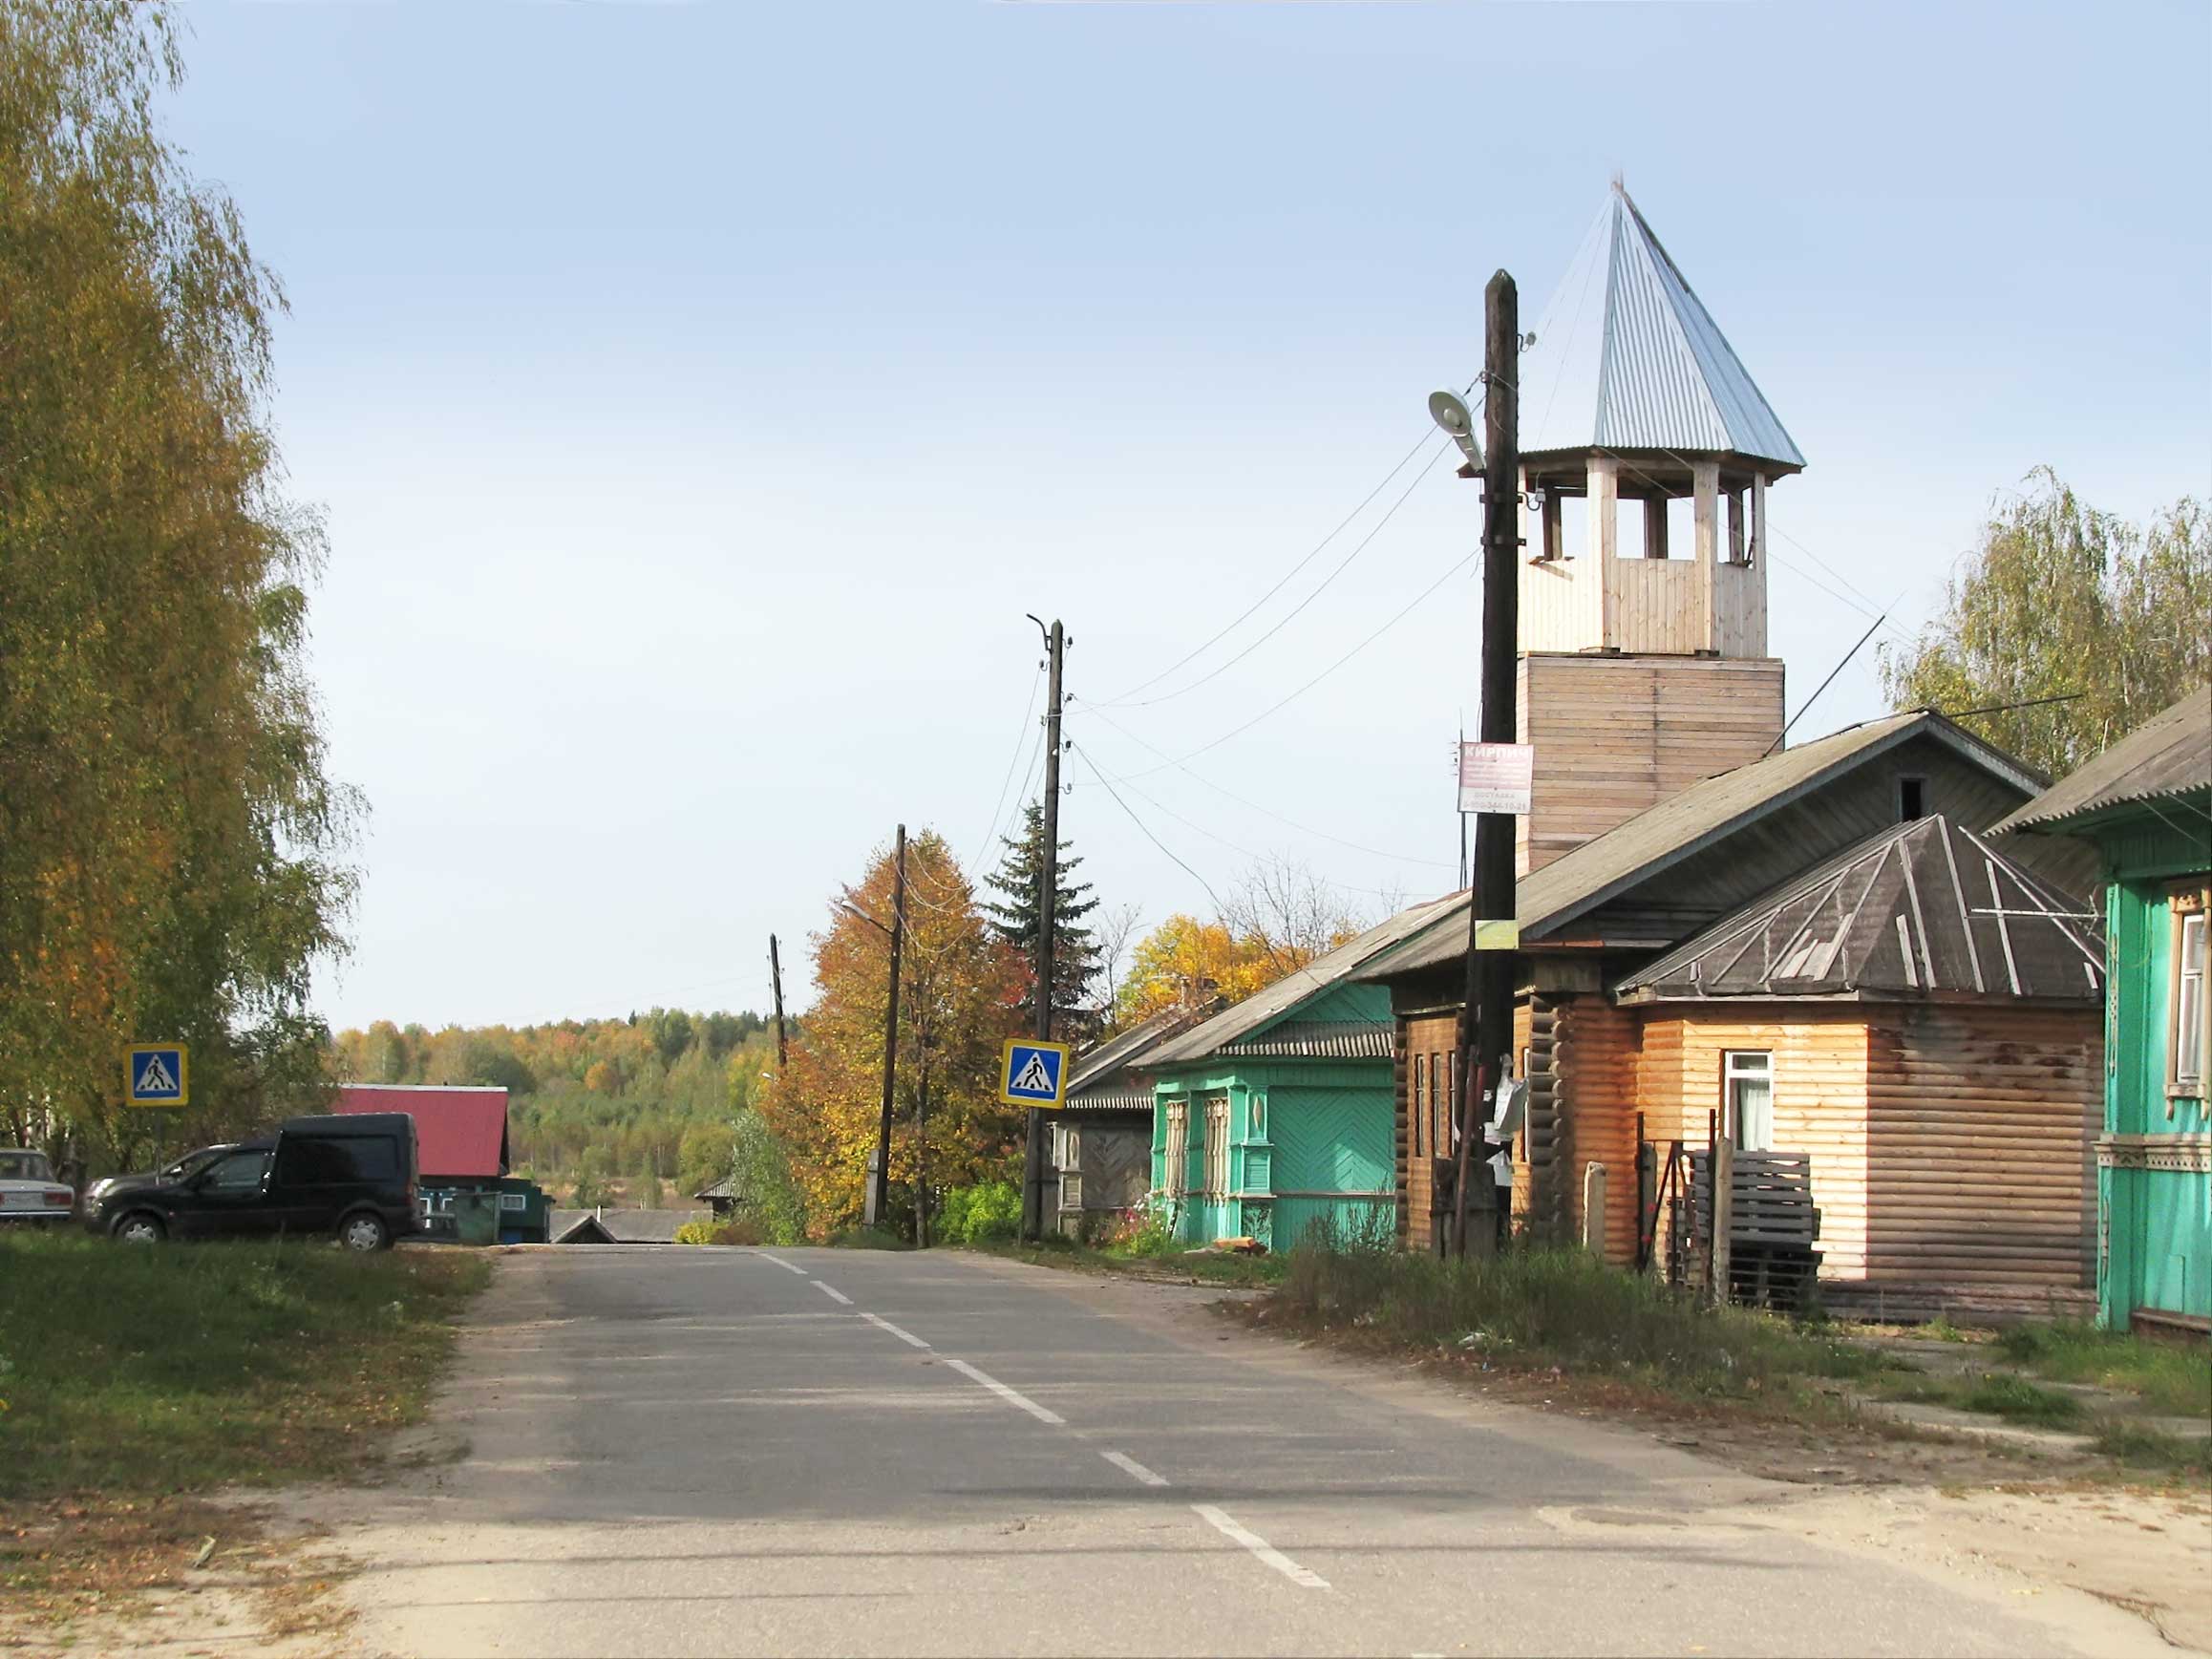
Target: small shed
x,y
1276,1116
2145,804
1916,1023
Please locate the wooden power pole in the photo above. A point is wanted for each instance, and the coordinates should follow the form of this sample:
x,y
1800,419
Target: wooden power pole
x,y
878,1204
776,980
1047,898
1486,1022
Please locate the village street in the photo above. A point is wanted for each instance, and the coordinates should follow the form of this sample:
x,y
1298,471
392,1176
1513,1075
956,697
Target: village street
x,y
815,1451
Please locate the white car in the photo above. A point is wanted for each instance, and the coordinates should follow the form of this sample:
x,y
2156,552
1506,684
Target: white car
x,y
29,1191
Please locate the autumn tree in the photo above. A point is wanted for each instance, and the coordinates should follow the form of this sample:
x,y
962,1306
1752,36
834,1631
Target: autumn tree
x,y
172,851
1016,919
1278,918
2061,601
959,997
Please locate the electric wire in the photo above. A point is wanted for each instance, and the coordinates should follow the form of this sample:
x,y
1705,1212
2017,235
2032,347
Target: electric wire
x,y
1426,468
998,812
1219,908
1456,565
1120,697
1255,806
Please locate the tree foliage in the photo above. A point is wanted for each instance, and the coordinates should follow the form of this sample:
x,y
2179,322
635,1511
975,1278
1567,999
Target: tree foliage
x,y
2063,600
1016,921
1278,918
959,996
170,849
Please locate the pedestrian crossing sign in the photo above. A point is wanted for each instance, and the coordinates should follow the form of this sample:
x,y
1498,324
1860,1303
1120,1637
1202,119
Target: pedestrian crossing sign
x,y
1034,1073
155,1074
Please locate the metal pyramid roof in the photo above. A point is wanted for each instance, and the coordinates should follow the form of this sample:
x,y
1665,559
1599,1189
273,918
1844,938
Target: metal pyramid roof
x,y
1627,357
1922,909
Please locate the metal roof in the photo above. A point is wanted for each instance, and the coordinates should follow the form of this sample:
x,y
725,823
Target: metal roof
x,y
2169,756
1627,357
1641,847
1917,910
1250,1018
620,1226
1097,1069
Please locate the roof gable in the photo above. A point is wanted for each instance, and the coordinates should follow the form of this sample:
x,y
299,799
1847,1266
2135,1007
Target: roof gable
x,y
1698,821
1628,358
1917,910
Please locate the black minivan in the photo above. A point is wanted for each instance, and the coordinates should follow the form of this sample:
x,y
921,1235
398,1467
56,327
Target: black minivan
x,y
350,1175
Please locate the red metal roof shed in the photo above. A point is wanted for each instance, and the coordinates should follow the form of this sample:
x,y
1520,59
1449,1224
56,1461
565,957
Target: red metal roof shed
x,y
459,1130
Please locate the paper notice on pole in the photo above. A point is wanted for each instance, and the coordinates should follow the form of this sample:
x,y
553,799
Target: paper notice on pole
x,y
1496,776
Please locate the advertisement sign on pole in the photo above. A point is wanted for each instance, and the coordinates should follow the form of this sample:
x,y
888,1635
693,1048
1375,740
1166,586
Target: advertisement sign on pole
x,y
1496,776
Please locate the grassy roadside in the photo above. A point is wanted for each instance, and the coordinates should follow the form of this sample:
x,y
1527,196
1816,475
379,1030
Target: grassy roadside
x,y
135,1381
1560,1323
1157,1261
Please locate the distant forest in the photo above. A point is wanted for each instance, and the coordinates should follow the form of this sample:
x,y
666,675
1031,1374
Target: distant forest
x,y
597,1108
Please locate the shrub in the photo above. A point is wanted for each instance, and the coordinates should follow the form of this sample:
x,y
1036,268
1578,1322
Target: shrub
x,y
989,1212
737,1230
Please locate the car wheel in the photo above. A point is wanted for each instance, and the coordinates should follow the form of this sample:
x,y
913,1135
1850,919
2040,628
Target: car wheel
x,y
364,1232
140,1227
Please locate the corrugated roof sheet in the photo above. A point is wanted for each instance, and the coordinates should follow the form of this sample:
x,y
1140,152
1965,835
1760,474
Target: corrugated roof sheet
x,y
1628,358
1117,1052
1917,909
1321,1040
1262,1008
1644,845
2170,755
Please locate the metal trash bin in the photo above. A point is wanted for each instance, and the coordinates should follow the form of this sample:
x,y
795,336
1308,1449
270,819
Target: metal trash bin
x,y
476,1217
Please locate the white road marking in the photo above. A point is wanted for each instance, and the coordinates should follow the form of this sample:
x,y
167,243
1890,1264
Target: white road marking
x,y
1129,1465
1224,1524
833,1293
1012,1396
905,1336
787,1266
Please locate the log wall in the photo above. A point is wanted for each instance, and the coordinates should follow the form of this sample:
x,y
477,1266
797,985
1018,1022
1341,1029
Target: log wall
x,y
1594,1059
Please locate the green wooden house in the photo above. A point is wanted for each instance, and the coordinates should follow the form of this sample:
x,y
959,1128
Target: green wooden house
x,y
2146,803
1277,1114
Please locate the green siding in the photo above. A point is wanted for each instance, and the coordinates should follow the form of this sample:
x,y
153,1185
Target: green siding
x,y
2153,1226
1310,1140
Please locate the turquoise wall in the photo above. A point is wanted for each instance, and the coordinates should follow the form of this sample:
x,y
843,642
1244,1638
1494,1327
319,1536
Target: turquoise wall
x,y
1310,1142
2153,1226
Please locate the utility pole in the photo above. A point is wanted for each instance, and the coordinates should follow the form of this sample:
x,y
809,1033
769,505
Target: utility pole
x,y
775,979
878,1204
1486,1022
1048,896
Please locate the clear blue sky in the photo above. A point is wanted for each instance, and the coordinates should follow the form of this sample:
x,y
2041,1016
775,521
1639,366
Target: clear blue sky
x,y
701,393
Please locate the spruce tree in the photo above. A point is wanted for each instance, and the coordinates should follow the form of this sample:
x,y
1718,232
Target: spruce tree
x,y
1014,920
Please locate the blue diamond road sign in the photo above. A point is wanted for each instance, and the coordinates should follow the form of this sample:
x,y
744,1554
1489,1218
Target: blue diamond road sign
x,y
1034,1073
155,1076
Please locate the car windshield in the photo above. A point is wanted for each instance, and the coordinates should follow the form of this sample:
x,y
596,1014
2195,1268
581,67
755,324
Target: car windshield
x,y
17,1165
192,1163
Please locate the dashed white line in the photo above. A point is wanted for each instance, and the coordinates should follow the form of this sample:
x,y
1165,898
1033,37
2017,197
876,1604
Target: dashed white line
x,y
787,1266
1012,1397
1222,1521
905,1336
833,1293
1129,1465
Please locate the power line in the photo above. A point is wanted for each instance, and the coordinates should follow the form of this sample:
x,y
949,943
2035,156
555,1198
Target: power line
x,y
1458,565
1427,467
1206,645
1255,806
1029,707
1219,906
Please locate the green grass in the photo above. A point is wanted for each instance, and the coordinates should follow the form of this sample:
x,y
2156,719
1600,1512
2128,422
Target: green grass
x,y
2017,1400
2172,1378
1222,1268
868,1238
1531,1308
175,1369
2137,1447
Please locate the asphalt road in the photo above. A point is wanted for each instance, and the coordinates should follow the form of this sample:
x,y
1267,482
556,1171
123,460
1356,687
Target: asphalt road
x,y
804,1452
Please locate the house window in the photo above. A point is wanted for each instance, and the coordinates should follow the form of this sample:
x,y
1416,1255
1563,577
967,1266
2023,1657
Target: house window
x,y
1748,1092
1420,1104
1175,1161
1447,1109
2188,1013
1911,800
1217,1165
1257,1112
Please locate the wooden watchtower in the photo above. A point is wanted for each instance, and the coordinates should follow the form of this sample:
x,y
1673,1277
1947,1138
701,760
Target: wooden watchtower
x,y
1643,662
